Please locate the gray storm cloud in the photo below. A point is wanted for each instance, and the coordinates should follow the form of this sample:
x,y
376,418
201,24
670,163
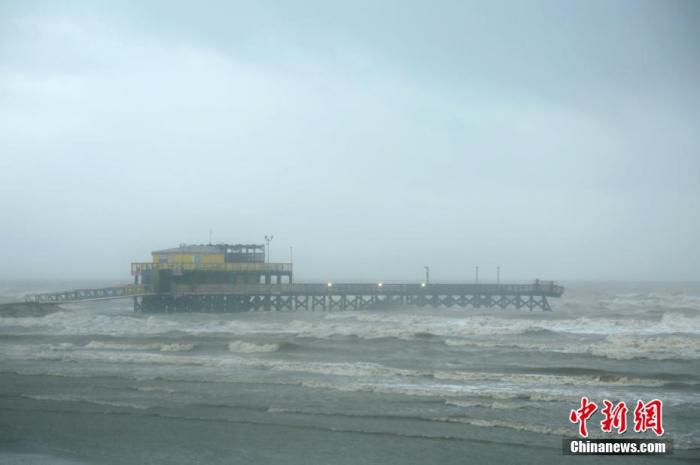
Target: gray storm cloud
x,y
556,140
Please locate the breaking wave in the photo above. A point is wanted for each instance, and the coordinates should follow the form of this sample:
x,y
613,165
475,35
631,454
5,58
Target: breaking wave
x,y
451,324
251,347
520,426
163,347
614,346
71,398
343,369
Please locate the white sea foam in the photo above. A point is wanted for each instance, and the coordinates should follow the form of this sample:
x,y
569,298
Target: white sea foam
x,y
660,347
538,379
405,325
251,347
520,426
453,392
15,351
344,369
72,398
409,326
176,347
131,346
486,398
108,345
496,390
651,301
150,388
492,404
614,346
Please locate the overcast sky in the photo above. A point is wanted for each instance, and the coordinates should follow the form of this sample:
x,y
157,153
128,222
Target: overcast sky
x,y
559,140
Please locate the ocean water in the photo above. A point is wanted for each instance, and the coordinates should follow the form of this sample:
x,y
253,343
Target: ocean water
x,y
95,383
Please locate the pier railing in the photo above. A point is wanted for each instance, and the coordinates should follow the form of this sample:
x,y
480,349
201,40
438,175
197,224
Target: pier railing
x,y
253,267
102,293
549,289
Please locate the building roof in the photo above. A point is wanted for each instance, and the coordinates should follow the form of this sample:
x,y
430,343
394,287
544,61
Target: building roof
x,y
208,248
204,249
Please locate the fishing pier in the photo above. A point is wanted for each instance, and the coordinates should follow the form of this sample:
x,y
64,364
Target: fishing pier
x,y
236,278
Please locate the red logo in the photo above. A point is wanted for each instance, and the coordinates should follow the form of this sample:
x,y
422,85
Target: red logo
x,y
647,416
615,417
581,415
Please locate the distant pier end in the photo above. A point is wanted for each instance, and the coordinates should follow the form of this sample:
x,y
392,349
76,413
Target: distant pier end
x,y
237,277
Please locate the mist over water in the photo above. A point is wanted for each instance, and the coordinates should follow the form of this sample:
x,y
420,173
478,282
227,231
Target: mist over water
x,y
436,383
361,142
556,140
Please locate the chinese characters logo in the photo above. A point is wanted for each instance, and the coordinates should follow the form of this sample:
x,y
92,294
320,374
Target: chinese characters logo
x,y
647,416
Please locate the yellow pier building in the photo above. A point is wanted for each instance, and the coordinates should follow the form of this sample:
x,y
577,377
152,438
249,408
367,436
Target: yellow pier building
x,y
210,264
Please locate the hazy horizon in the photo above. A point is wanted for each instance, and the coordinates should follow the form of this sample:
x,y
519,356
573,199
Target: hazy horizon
x,y
556,140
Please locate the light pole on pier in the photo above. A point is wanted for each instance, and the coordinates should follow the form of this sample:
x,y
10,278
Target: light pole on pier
x,y
267,240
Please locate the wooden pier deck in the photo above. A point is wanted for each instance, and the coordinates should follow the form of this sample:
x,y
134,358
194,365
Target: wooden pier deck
x,y
315,296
